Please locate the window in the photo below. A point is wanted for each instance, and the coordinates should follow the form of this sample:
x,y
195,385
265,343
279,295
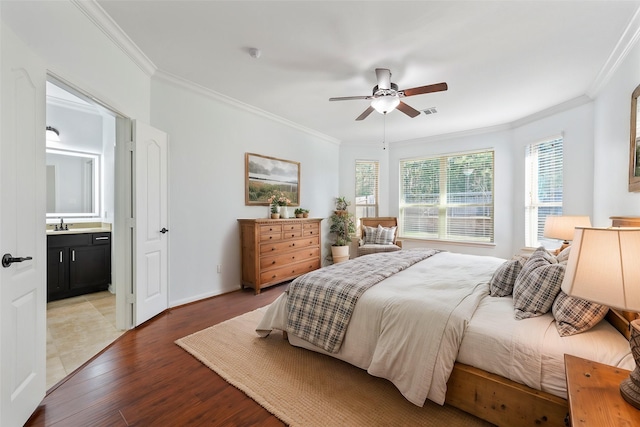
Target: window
x,y
447,198
366,189
543,187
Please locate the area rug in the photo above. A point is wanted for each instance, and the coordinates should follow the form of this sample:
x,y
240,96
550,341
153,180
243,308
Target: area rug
x,y
304,388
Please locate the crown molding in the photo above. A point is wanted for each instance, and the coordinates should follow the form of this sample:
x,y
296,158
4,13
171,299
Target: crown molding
x,y
201,90
556,109
627,41
101,19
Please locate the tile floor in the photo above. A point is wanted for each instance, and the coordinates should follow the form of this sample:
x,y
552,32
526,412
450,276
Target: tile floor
x,y
77,329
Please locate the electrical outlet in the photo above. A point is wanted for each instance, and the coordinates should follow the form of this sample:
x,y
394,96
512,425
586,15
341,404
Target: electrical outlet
x,y
219,268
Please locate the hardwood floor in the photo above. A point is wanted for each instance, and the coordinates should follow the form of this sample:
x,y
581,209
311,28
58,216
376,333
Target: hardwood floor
x,y
144,379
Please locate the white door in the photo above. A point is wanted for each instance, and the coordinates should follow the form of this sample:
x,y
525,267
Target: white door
x,y
150,219
22,232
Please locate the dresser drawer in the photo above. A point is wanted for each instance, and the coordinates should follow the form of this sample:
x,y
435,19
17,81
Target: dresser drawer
x,y
311,229
296,226
271,229
278,260
270,237
283,273
292,234
276,247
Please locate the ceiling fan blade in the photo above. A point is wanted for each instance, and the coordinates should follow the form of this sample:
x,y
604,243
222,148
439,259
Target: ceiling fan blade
x,y
438,87
384,78
349,98
408,110
365,113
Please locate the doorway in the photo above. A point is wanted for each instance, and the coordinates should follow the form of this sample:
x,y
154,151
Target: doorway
x,y
80,322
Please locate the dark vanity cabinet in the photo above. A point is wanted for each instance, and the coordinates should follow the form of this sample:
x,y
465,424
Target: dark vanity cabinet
x,y
77,264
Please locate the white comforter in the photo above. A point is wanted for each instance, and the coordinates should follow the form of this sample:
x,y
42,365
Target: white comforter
x,y
396,323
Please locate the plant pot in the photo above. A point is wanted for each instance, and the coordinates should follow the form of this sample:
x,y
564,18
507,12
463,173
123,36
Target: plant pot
x,y
305,215
298,215
339,253
275,216
284,212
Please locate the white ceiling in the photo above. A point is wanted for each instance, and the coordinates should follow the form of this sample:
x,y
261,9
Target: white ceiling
x,y
503,60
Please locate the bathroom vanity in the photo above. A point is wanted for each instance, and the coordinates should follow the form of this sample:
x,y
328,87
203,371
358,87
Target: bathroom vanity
x,y
78,262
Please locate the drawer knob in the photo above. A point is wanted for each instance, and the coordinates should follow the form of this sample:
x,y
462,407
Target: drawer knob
x,y
273,262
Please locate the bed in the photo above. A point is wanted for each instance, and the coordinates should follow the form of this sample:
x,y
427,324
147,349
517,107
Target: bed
x,y
483,360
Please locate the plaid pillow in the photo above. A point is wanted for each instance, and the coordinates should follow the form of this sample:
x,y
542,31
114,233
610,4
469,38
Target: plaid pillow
x,y
370,235
537,285
385,235
501,283
575,315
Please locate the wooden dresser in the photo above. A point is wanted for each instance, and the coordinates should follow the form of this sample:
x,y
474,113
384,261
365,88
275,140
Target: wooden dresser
x,y
277,250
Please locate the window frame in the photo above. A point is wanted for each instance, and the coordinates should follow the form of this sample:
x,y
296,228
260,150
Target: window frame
x,y
445,231
532,204
364,207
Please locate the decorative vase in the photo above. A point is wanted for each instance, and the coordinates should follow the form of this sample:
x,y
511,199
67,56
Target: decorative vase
x,y
283,212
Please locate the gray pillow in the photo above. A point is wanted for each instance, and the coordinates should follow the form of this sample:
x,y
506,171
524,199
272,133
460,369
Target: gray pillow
x,y
370,235
385,235
537,285
575,315
503,279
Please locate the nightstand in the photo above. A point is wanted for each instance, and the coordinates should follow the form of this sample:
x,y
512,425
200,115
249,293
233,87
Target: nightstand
x,y
594,395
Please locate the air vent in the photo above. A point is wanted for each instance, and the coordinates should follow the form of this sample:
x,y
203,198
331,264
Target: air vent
x,y
431,110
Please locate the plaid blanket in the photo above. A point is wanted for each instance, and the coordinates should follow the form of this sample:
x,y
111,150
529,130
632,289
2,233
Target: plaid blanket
x,y
320,303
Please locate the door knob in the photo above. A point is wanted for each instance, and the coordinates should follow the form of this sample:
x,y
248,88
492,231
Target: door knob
x,y
164,230
7,260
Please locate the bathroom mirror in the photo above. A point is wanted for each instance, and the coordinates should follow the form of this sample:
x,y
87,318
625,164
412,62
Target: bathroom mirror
x,y
634,148
73,184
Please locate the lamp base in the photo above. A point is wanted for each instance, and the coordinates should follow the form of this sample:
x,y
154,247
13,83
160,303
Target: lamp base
x,y
630,387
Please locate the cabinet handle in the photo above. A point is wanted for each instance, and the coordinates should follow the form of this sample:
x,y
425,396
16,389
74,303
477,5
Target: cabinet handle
x,y
102,238
73,255
60,256
273,262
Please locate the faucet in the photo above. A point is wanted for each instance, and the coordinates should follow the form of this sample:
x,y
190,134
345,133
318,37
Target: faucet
x,y
62,226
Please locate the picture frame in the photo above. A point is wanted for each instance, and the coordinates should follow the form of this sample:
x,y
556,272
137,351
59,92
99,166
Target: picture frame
x,y
634,144
266,175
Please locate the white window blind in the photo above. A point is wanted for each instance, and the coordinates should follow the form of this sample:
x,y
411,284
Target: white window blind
x,y
543,187
447,198
366,202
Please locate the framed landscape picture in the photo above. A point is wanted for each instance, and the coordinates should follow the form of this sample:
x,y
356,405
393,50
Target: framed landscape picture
x,y
265,176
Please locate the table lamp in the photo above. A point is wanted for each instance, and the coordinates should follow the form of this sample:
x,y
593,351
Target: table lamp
x,y
604,268
561,227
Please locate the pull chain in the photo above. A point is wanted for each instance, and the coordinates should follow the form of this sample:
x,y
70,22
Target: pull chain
x,y
384,130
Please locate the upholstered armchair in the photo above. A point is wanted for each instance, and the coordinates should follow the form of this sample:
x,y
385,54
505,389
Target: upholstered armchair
x,y
379,234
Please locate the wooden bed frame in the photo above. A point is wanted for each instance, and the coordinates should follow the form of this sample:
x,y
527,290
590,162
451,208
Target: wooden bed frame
x,y
506,403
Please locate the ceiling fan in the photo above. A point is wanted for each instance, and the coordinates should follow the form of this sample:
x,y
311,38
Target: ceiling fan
x,y
386,96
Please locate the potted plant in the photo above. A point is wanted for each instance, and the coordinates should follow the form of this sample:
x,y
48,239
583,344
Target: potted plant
x,y
343,225
274,211
299,212
279,202
305,213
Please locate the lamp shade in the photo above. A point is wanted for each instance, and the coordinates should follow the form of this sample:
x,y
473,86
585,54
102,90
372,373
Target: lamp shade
x,y
603,267
386,103
562,226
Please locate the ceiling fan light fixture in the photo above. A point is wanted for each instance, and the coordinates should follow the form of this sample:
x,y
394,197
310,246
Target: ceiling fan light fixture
x,y
52,134
384,104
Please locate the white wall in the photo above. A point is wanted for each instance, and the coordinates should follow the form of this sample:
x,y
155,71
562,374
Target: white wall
x,y
74,49
208,140
612,111
576,127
